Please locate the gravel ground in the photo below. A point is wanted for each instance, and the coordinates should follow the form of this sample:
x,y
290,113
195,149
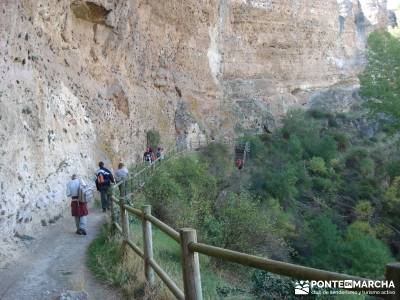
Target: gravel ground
x,y
54,262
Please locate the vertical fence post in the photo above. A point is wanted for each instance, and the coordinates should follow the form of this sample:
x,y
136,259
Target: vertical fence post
x,y
190,266
393,274
125,188
124,223
147,245
112,212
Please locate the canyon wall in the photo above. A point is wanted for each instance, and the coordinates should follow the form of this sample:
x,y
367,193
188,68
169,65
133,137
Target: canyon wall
x,y
82,81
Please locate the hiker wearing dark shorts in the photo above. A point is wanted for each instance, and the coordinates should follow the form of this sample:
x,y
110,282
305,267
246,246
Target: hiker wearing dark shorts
x,y
104,178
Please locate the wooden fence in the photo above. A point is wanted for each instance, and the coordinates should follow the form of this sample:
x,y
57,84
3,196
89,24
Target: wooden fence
x,y
190,248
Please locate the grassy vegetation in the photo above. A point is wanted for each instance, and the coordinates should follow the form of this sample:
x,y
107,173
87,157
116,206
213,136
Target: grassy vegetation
x,y
105,260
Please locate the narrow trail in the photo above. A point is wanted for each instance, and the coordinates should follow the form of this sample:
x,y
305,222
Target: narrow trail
x,y
54,263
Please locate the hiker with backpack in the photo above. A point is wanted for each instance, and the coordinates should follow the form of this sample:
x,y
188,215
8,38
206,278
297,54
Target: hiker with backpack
x,y
104,178
78,204
147,155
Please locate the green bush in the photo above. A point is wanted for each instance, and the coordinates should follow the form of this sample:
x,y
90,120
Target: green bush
x,y
342,141
252,229
356,253
153,139
393,169
326,148
365,255
367,167
364,211
325,244
355,156
317,165
219,161
182,192
270,286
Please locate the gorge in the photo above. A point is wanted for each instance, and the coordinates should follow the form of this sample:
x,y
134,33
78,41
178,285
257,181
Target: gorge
x,y
82,81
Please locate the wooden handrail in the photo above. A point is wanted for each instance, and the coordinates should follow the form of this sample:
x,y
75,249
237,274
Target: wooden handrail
x,y
269,265
167,280
163,227
156,222
134,211
191,248
135,248
118,227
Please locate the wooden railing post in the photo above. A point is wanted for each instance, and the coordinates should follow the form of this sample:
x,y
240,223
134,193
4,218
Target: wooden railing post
x,y
124,189
393,274
112,211
124,223
190,266
147,245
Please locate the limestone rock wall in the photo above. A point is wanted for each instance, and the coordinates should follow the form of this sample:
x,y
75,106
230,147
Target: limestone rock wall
x,y
82,81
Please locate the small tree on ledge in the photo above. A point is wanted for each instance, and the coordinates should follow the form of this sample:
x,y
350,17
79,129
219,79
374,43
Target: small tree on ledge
x,y
153,138
380,81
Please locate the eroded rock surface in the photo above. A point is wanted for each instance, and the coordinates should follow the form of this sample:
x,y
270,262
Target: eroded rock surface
x,y
82,81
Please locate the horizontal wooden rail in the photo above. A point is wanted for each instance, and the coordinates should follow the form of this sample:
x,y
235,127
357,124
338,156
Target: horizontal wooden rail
x,y
118,227
134,211
135,248
156,222
163,227
114,199
167,280
269,265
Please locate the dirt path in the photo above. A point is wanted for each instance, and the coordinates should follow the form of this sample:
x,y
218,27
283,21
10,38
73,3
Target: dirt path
x,y
55,263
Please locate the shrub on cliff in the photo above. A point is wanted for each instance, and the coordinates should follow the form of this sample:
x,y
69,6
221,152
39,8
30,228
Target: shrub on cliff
x,y
181,192
153,139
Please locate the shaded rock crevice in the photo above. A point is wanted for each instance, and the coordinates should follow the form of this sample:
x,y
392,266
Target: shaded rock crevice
x,y
91,12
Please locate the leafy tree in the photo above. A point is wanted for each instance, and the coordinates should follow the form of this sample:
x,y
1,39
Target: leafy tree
x,y
365,255
380,82
325,244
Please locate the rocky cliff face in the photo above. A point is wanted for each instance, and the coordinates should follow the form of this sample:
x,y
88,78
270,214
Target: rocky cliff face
x,y
82,81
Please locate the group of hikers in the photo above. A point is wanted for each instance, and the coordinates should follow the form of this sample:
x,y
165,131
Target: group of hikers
x,y
150,156
78,191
